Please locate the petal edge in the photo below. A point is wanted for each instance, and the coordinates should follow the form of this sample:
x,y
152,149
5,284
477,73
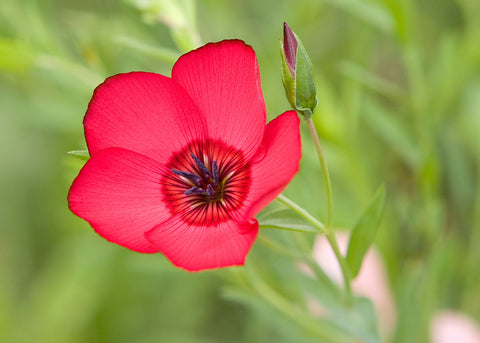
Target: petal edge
x,y
118,193
276,162
223,79
196,248
148,113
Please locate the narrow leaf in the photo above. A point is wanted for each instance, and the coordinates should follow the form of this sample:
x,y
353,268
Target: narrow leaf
x,y
370,12
81,154
388,126
162,53
285,219
364,231
367,78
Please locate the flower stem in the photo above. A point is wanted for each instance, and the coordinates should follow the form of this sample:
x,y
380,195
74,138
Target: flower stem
x,y
302,213
290,310
304,254
303,245
323,164
343,264
328,233
330,237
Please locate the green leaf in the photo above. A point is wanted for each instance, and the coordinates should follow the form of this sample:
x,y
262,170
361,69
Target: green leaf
x,y
388,126
359,320
367,78
177,15
162,53
62,66
81,154
363,233
369,12
285,219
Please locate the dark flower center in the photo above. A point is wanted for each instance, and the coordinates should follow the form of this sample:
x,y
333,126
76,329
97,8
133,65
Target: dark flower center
x,y
207,182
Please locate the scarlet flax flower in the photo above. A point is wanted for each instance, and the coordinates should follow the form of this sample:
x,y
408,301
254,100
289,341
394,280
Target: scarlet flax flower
x,y
182,165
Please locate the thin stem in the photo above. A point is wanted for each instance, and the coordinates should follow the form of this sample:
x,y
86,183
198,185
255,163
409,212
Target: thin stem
x,y
304,320
323,164
302,244
304,255
330,237
343,264
329,234
302,213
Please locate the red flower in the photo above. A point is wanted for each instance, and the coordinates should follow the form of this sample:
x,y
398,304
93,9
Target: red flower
x,y
182,165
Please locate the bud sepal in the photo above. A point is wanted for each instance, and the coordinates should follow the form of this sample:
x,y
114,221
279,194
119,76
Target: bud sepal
x,y
297,74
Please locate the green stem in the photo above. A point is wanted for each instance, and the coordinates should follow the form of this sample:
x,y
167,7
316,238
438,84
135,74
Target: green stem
x,y
323,164
302,213
302,244
330,237
304,255
290,310
343,264
329,234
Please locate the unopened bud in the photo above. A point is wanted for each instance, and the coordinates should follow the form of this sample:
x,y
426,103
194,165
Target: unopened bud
x,y
297,74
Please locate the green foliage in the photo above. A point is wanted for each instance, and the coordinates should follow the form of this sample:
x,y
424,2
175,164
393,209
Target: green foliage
x,y
299,84
14,56
364,232
306,99
285,219
81,154
165,54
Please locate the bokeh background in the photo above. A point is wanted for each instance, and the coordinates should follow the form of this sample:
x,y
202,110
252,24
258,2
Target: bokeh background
x,y
399,104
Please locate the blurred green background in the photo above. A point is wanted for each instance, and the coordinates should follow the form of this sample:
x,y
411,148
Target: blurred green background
x,y
399,104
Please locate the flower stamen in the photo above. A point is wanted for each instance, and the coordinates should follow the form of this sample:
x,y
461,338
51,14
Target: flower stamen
x,y
215,173
206,185
203,168
195,179
194,191
209,189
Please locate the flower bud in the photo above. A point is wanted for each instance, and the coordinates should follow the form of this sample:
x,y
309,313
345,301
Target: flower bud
x,y
297,74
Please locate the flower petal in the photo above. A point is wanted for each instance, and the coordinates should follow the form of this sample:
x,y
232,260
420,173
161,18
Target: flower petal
x,y
196,248
223,80
275,164
143,112
118,193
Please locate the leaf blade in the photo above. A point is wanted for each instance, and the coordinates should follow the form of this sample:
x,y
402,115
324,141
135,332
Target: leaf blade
x,y
364,232
81,154
285,219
